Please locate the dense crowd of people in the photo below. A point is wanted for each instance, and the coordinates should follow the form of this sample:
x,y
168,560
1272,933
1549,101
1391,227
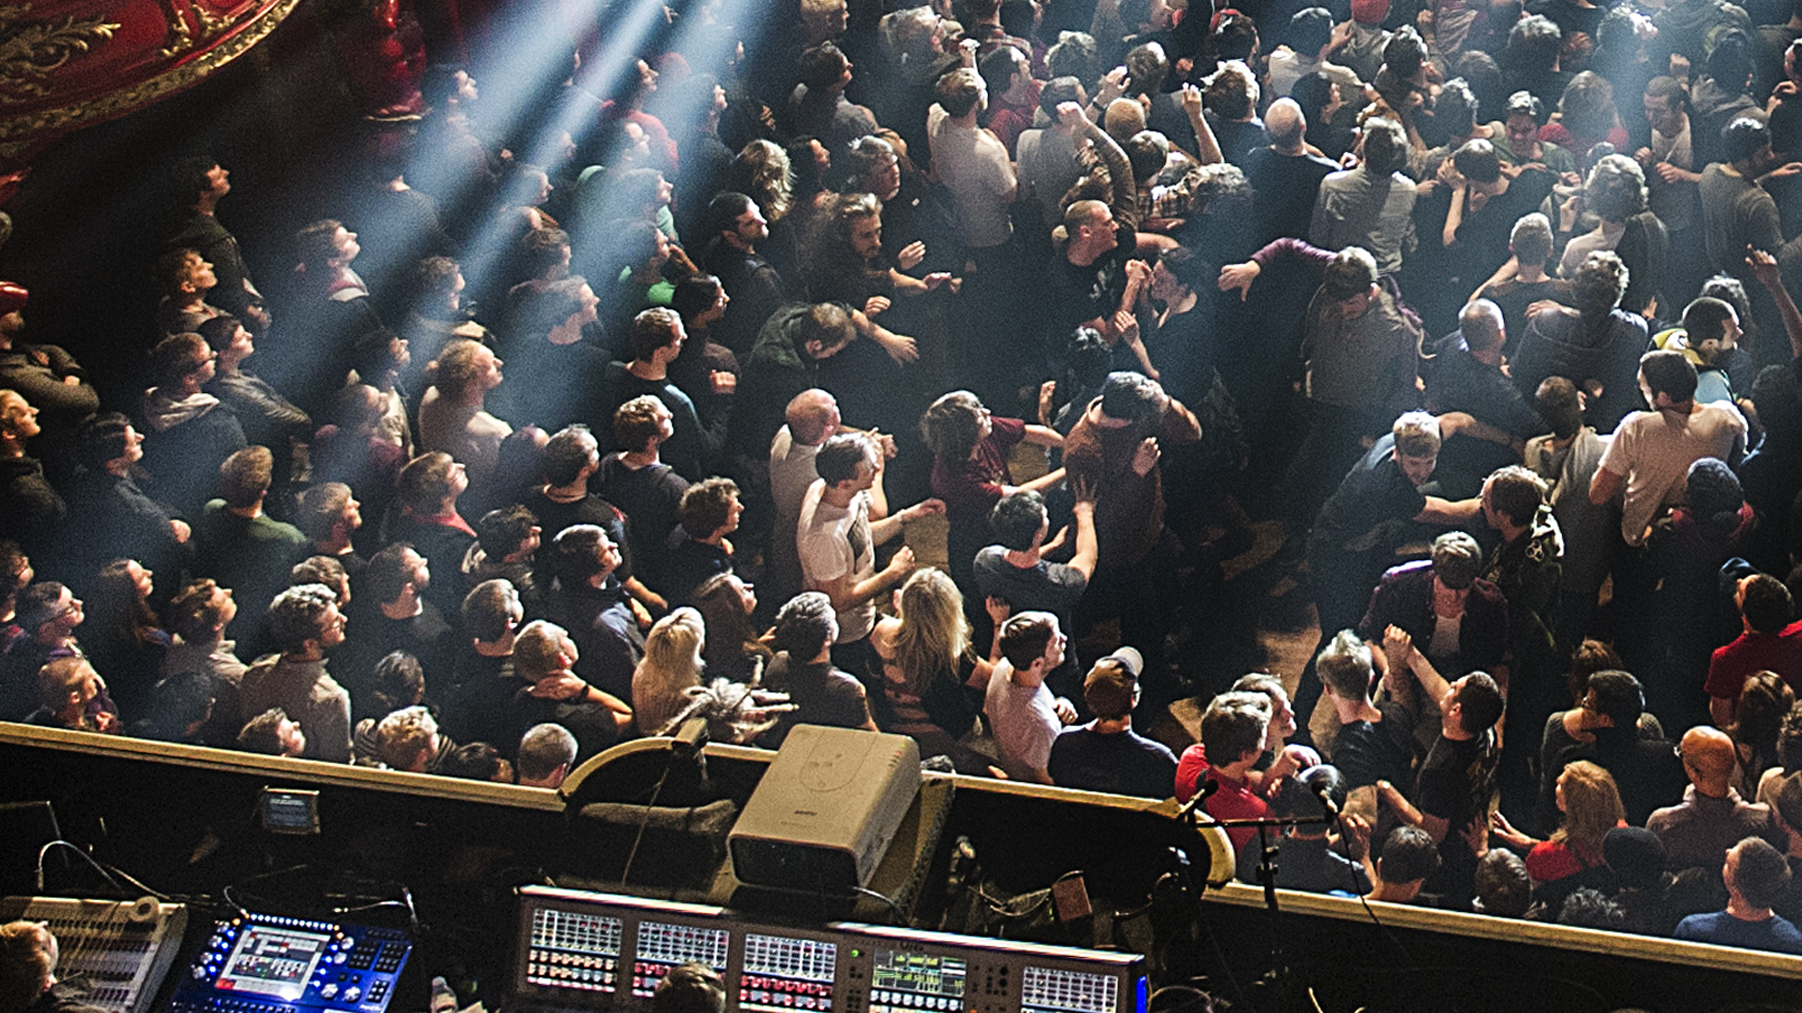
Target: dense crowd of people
x,y
524,460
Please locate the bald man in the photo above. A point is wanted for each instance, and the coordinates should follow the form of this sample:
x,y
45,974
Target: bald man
x,y
810,418
1285,175
1712,817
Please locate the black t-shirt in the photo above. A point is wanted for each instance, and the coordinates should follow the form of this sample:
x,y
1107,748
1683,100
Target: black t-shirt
x,y
1075,294
822,695
370,636
1047,587
553,517
591,723
687,565
649,496
480,708
1124,763
1367,752
1456,780
529,394
1513,297
1286,186
1483,235
1239,138
694,448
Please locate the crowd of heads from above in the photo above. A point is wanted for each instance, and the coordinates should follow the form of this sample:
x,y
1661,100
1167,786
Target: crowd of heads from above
x,y
650,405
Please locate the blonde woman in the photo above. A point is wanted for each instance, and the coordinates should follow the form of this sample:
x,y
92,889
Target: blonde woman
x,y
671,668
1591,804
927,668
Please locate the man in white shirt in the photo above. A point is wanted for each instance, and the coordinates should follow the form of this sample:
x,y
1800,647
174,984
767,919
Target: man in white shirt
x,y
1024,715
812,418
971,161
843,517
1651,452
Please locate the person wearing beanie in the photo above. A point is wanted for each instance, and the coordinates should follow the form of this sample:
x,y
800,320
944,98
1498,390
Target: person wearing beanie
x,y
1106,754
1363,51
1636,857
1683,565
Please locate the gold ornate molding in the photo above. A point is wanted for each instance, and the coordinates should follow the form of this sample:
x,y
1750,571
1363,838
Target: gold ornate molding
x,y
31,50
181,37
20,134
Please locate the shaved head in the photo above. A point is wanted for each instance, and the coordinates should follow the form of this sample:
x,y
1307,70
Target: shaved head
x,y
1285,124
812,416
1708,754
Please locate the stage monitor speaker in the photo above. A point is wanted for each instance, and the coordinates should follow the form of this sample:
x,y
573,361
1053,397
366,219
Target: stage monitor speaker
x,y
826,809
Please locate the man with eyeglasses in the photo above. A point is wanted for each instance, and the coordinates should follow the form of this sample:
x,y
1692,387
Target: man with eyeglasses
x,y
47,613
190,435
1712,817
1604,729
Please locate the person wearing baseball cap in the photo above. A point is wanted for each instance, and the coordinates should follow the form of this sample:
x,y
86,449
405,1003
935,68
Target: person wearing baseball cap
x,y
1106,754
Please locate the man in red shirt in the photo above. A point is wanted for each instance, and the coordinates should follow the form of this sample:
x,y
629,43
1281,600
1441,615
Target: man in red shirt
x,y
1770,643
1232,730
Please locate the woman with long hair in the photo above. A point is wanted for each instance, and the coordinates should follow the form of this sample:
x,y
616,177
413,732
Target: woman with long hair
x,y
124,638
1789,757
734,649
928,670
765,172
1764,701
670,669
1591,804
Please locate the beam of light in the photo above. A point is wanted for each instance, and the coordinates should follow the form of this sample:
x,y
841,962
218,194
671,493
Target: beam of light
x,y
521,65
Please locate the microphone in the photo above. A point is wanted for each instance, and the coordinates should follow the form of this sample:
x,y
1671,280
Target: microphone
x,y
1202,791
1324,793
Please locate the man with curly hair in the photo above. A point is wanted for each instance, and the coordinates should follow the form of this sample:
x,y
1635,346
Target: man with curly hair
x,y
304,623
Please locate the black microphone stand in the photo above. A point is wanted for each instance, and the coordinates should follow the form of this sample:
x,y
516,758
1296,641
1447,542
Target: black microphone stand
x,y
1278,979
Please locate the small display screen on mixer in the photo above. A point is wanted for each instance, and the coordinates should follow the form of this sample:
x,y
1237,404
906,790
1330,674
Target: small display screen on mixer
x,y
660,947
1049,990
902,981
273,961
783,973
